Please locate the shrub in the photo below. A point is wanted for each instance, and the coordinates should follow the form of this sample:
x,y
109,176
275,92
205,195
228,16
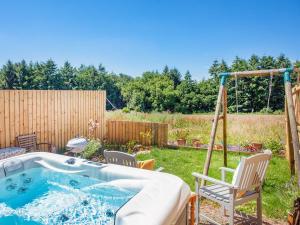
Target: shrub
x,y
130,146
92,149
126,110
266,111
273,144
278,112
181,133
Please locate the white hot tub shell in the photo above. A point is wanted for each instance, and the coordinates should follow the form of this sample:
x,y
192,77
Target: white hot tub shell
x,y
162,198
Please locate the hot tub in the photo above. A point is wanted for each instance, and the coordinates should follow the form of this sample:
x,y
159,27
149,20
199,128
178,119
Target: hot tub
x,y
45,188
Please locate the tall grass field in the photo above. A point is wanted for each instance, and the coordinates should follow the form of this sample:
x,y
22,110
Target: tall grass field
x,y
242,129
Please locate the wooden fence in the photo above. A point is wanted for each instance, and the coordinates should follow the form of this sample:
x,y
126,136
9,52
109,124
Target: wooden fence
x,y
120,132
55,116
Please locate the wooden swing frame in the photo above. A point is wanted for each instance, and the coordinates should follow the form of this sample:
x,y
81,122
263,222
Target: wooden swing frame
x,y
291,124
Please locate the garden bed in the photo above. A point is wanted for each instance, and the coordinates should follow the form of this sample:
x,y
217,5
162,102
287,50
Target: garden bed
x,y
230,148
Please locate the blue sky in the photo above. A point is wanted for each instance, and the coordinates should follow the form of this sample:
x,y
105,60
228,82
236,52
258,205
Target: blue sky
x,y
132,36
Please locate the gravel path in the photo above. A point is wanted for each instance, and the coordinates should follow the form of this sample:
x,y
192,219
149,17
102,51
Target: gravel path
x,y
240,218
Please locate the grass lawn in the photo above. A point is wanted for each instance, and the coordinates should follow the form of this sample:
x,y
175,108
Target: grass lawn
x,y
278,193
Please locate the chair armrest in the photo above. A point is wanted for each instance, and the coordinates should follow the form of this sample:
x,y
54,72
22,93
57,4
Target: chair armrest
x,y
159,169
44,143
50,146
212,180
223,172
227,169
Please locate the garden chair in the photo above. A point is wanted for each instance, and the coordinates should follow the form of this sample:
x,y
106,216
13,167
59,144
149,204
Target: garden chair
x,y
246,186
122,158
29,142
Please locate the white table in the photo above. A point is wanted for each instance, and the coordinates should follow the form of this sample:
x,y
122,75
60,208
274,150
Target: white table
x,y
77,145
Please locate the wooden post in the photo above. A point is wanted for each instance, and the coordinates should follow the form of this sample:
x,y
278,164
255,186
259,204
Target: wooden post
x,y
289,145
213,131
225,126
292,122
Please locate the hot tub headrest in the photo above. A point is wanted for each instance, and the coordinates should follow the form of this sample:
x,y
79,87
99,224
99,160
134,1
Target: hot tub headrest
x,y
13,166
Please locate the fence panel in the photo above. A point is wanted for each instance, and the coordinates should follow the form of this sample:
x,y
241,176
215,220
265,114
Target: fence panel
x,y
54,115
120,132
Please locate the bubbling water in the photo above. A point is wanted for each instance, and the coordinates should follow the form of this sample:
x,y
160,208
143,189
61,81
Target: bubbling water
x,y
44,197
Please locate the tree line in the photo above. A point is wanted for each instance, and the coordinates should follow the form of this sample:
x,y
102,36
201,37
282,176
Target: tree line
x,y
168,90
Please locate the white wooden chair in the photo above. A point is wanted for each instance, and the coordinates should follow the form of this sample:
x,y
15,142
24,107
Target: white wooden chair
x,y
246,186
122,158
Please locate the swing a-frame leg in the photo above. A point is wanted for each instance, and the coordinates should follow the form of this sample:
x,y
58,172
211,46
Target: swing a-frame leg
x,y
221,96
292,122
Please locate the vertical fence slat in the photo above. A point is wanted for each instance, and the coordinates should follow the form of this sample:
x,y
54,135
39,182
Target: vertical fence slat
x,y
12,116
38,115
2,120
42,117
34,111
17,114
21,127
103,120
6,118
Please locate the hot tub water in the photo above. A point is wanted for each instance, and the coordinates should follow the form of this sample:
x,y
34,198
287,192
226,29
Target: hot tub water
x,y
40,196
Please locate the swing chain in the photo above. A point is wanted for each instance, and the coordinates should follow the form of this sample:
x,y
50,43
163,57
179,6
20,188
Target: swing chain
x,y
270,90
236,94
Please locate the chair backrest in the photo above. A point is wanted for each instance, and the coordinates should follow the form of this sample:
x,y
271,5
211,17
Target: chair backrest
x,y
251,171
28,141
120,158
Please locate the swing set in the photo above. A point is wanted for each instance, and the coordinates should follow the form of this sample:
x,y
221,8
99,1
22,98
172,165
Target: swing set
x,y
291,123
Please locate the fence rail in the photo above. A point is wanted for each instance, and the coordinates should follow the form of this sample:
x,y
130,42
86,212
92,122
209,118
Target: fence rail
x,y
55,116
120,132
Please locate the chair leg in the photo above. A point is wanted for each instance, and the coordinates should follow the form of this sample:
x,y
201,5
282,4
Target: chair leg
x,y
231,207
197,202
231,215
223,209
259,209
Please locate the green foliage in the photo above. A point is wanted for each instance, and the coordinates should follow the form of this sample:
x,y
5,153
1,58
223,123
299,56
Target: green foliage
x,y
10,78
92,149
181,133
266,111
154,90
130,146
278,112
273,144
126,110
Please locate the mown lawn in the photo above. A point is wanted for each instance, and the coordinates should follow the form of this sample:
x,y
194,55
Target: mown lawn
x,y
278,192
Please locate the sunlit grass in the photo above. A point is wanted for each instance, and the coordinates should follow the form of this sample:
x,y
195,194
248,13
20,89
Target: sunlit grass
x,y
278,194
242,128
